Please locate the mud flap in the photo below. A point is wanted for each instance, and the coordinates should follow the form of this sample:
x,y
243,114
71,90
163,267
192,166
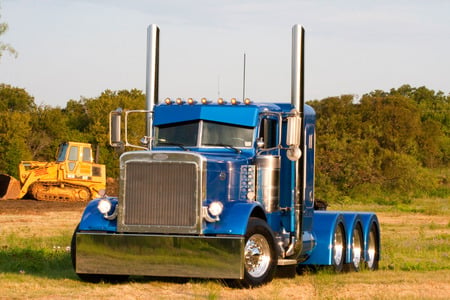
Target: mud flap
x,y
9,187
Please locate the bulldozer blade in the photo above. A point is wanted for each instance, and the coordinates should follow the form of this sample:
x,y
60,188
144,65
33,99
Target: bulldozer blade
x,y
9,187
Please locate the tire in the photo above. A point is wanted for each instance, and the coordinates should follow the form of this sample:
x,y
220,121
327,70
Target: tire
x,y
93,278
338,248
357,254
260,256
373,248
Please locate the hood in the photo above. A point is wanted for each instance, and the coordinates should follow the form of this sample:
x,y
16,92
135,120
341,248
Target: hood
x,y
223,176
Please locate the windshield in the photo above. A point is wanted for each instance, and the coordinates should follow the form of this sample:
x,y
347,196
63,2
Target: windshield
x,y
204,133
62,152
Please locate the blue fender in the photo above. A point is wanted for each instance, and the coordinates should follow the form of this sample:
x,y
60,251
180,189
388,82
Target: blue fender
x,y
352,219
234,218
368,220
92,219
324,225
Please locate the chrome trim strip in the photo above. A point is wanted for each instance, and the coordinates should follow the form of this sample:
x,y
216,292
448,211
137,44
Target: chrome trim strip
x,y
160,255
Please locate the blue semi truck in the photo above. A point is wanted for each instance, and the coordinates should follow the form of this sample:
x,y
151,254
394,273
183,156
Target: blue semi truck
x,y
219,189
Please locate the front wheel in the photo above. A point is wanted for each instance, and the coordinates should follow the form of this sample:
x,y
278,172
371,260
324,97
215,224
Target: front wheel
x,y
260,257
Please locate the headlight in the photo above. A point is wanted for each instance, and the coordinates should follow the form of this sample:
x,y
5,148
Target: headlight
x,y
104,206
215,208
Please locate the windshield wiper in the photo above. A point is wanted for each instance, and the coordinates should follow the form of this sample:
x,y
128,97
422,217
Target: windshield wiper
x,y
226,146
173,144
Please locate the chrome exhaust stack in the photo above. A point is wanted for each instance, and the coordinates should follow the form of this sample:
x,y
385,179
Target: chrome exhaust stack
x,y
295,132
152,74
298,67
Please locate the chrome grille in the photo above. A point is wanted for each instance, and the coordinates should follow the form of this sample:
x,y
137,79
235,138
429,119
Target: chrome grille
x,y
160,196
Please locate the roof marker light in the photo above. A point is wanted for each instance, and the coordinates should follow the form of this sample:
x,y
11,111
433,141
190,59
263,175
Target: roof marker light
x,y
234,101
204,101
247,101
179,101
191,101
168,101
220,101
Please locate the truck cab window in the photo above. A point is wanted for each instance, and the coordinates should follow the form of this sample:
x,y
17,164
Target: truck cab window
x,y
184,134
225,134
268,132
203,133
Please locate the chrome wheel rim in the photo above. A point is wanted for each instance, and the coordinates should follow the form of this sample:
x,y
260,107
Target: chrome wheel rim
x,y
338,246
371,250
356,248
257,255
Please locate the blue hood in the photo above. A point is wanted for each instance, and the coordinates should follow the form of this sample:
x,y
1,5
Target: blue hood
x,y
223,176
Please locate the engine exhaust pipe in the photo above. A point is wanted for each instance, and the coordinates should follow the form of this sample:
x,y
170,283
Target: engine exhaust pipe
x,y
152,73
298,101
297,71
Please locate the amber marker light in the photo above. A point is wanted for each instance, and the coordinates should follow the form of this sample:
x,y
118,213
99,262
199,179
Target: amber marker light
x,y
179,101
204,100
220,101
247,101
168,101
234,101
191,101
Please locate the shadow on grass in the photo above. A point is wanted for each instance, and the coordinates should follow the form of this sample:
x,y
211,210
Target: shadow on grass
x,y
53,263
57,264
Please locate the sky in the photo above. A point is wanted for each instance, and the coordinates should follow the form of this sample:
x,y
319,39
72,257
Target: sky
x,y
70,50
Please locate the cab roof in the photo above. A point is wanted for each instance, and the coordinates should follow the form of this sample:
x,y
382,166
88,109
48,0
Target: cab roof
x,y
240,114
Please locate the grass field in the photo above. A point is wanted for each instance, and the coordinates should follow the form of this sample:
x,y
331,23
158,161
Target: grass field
x,y
35,262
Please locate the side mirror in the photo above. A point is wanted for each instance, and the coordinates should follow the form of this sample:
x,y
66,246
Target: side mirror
x,y
260,143
115,118
293,136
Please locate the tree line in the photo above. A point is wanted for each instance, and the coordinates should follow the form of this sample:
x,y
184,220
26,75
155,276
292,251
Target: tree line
x,y
387,146
383,144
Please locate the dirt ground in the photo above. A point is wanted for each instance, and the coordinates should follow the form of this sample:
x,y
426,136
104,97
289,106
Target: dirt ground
x,y
34,207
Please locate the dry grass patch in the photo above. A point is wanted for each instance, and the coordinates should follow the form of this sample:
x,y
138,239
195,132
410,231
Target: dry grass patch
x,y
415,265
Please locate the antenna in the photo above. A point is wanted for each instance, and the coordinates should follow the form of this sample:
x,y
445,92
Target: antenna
x,y
218,86
243,79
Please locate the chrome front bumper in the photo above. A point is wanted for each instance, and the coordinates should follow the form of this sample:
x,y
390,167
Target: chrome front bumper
x,y
160,255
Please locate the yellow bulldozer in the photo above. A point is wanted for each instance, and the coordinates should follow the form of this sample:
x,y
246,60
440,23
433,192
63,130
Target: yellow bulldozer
x,y
72,177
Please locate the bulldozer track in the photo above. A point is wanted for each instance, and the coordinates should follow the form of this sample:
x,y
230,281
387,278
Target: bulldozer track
x,y
60,192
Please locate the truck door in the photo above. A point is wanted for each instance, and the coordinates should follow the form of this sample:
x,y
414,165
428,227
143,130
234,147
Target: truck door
x,y
268,134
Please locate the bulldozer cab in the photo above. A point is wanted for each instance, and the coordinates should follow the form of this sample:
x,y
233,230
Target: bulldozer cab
x,y
77,160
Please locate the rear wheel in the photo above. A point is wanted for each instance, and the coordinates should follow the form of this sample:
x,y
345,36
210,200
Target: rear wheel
x,y
338,255
357,248
373,248
260,257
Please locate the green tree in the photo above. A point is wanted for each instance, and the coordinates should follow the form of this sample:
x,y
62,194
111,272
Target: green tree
x,y
15,99
16,107
14,131
3,46
90,118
